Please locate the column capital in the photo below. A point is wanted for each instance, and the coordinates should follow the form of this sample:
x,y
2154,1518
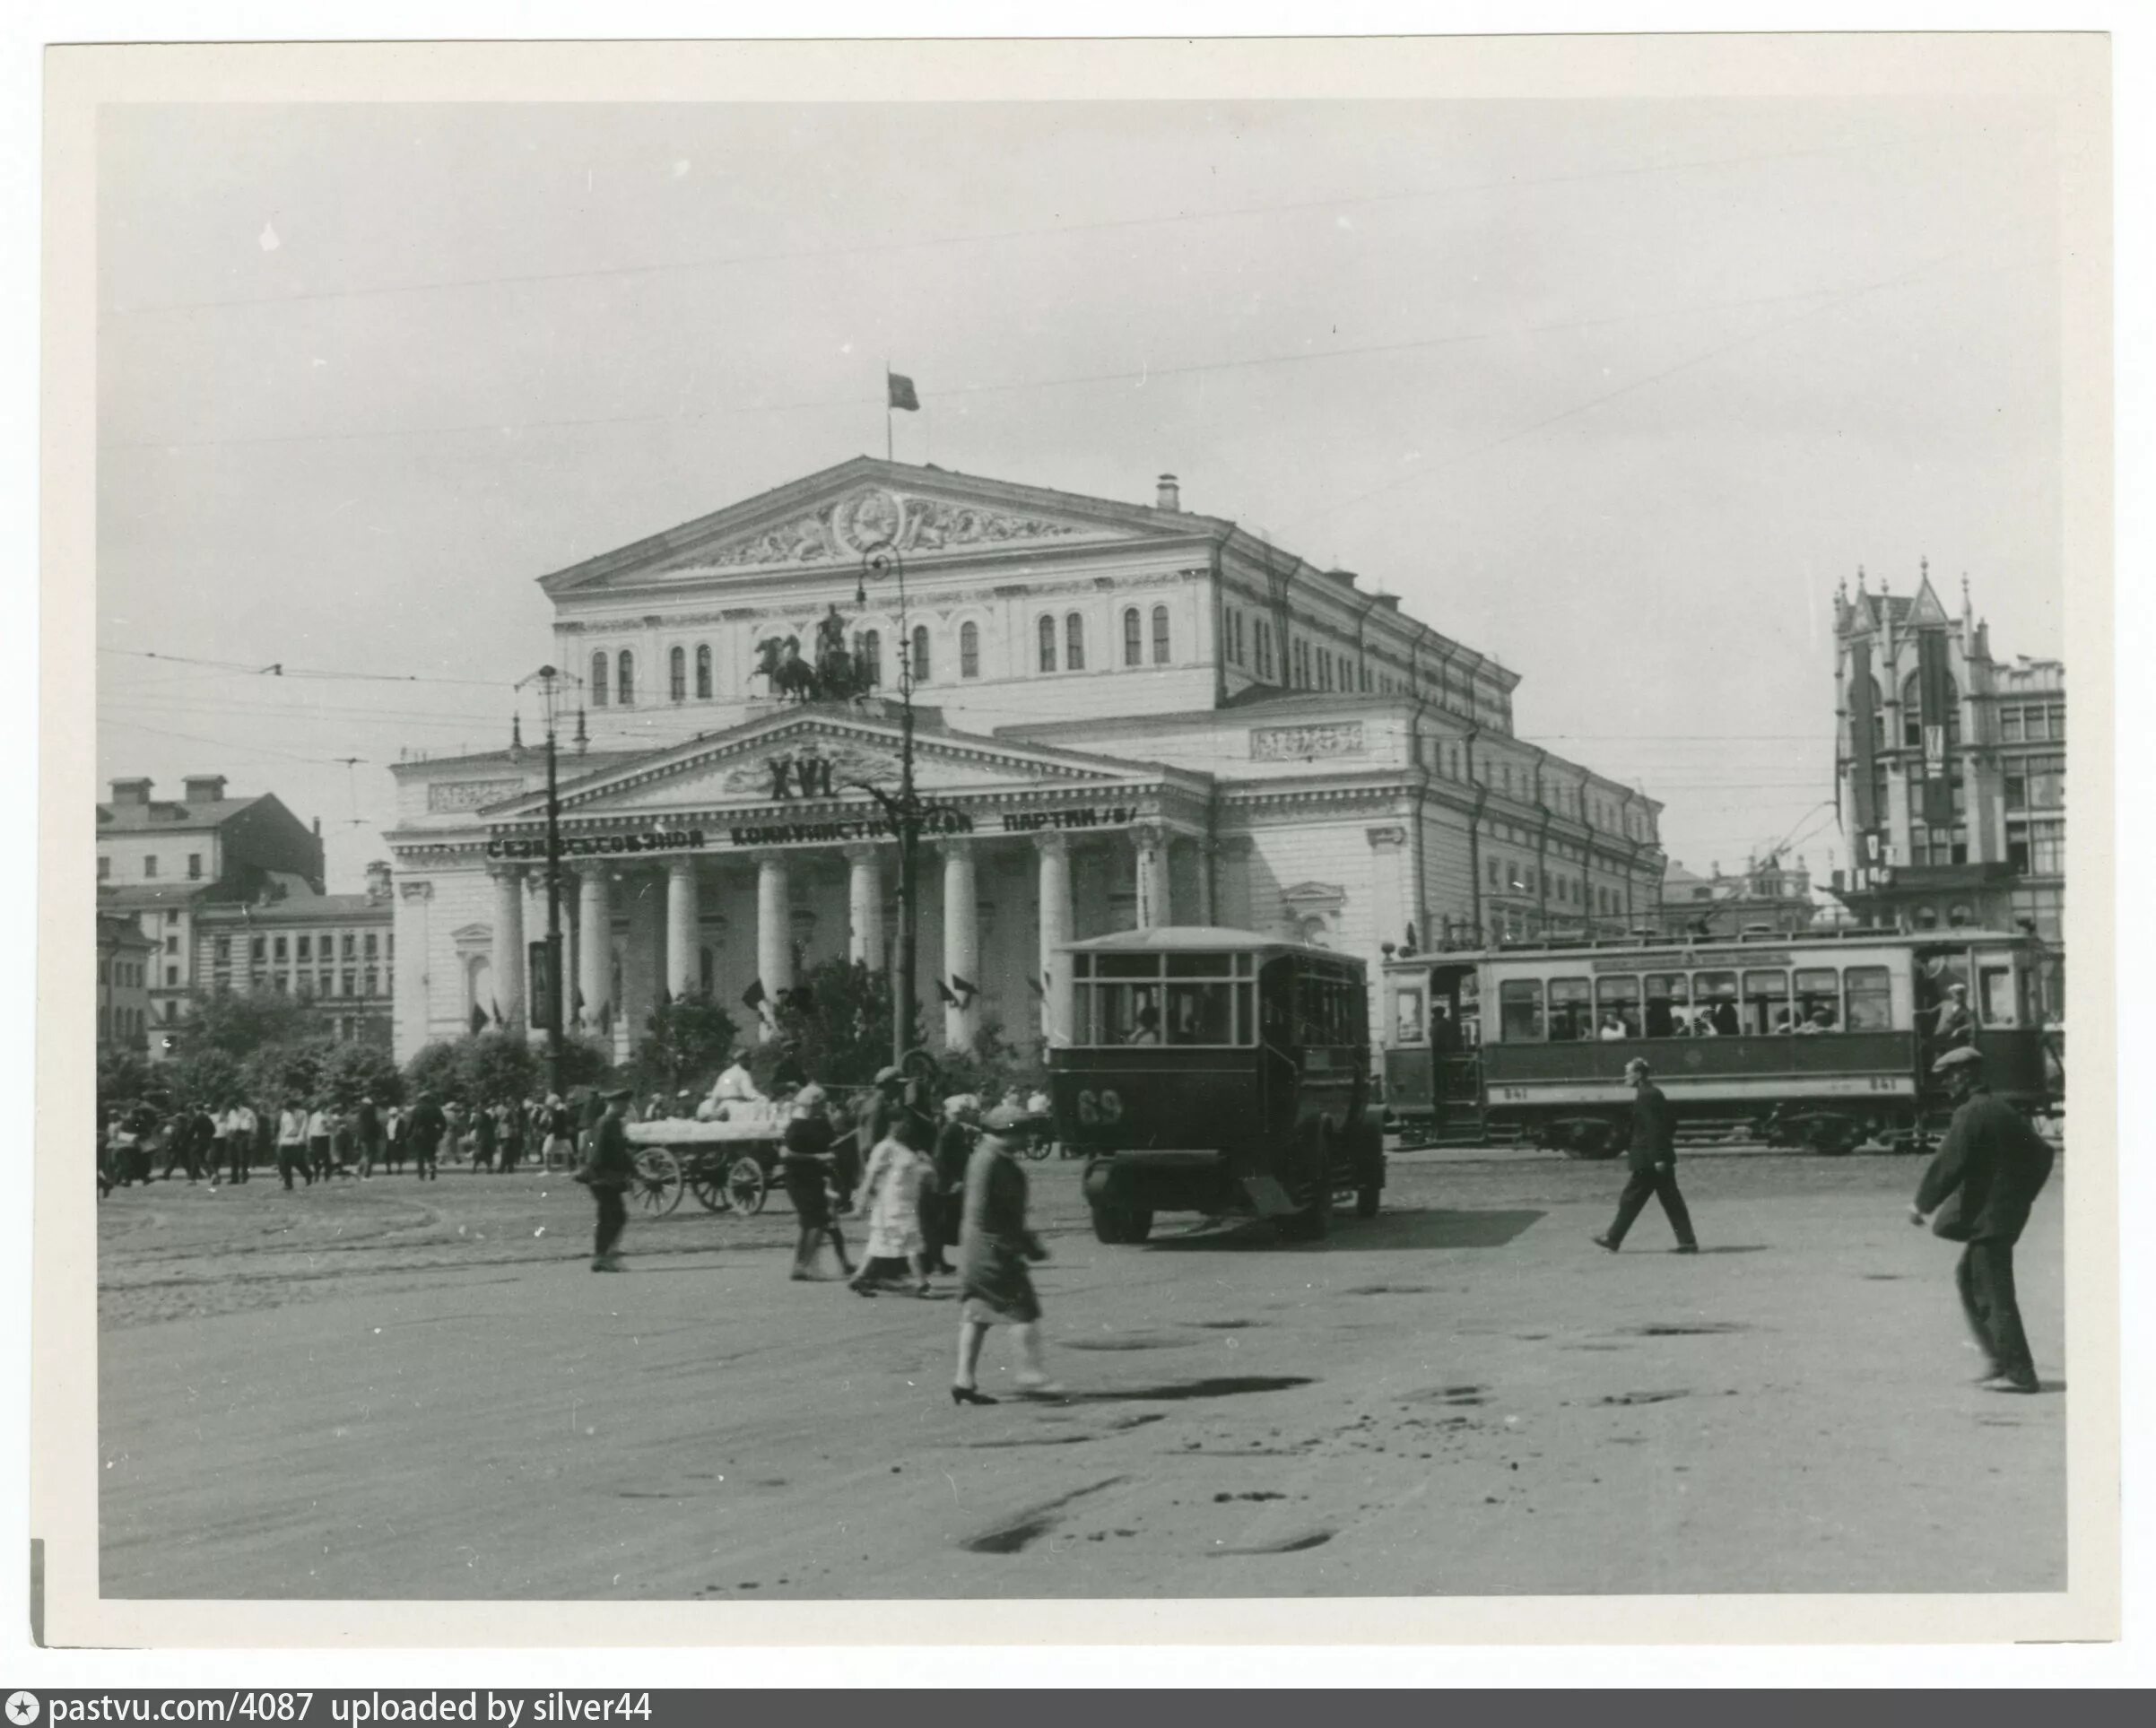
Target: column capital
x,y
505,872
861,852
1388,834
1053,840
683,867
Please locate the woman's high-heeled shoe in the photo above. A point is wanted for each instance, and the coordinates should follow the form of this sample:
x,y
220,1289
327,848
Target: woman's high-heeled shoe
x,y
968,1395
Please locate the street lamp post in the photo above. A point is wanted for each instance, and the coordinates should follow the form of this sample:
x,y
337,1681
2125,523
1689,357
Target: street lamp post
x,y
904,813
552,684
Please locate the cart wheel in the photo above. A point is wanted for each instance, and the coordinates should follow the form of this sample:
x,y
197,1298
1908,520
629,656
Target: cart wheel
x,y
746,1185
658,1185
707,1182
1038,1148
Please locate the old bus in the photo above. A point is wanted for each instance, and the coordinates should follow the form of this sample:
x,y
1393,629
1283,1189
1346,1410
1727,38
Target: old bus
x,y
1220,1072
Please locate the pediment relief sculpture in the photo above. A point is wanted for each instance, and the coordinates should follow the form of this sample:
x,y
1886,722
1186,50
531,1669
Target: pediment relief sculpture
x,y
872,517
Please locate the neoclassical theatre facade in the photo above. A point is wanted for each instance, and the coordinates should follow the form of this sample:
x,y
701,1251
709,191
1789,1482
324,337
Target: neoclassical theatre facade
x,y
1126,716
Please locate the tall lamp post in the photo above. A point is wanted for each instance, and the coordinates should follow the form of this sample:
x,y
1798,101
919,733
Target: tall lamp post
x,y
904,813
553,686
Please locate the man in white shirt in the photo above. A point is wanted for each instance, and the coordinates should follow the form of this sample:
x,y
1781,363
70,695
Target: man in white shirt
x,y
239,1126
319,1128
291,1144
735,1085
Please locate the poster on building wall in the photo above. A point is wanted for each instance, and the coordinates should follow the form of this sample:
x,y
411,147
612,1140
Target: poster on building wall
x,y
1936,700
1863,706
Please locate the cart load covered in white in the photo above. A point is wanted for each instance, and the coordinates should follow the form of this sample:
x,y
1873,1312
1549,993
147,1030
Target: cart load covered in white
x,y
734,1122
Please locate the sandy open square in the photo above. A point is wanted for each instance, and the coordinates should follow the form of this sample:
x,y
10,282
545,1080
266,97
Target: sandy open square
x,y
391,1389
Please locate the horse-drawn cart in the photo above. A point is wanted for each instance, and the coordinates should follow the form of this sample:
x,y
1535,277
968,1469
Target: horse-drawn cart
x,y
725,1164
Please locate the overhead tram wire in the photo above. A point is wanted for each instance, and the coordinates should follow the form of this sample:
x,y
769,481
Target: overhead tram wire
x,y
278,669
996,236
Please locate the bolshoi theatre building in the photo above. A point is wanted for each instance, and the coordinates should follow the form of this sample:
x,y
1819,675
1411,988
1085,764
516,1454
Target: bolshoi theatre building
x,y
1126,715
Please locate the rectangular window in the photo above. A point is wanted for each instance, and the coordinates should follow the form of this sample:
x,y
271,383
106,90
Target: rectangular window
x,y
1617,1007
172,944
2048,849
2016,789
370,977
2046,777
347,979
150,867
1714,1004
1818,997
2009,725
350,946
1868,999
305,949
1159,635
1571,1011
1766,1003
370,944
222,950
1668,1005
323,982
2058,724
194,866
258,949
171,978
279,950
1995,995
1519,1006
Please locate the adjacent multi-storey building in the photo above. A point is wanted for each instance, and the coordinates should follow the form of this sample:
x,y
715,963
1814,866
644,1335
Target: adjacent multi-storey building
x,y
160,860
124,960
1769,894
334,954
1952,768
1128,714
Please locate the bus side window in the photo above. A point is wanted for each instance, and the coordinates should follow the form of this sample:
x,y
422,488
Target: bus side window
x,y
1715,1005
1519,1002
1571,1012
1617,999
1668,1005
1868,1006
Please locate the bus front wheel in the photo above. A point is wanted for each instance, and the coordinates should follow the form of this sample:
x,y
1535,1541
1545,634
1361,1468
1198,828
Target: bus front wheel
x,y
1118,1225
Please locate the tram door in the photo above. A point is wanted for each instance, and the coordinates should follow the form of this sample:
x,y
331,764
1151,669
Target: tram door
x,y
1280,1053
1455,1037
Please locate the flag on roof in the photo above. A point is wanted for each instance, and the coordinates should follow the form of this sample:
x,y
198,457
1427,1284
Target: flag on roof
x,y
900,392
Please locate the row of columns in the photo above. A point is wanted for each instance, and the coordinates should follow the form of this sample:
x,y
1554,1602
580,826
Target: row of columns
x,y
961,959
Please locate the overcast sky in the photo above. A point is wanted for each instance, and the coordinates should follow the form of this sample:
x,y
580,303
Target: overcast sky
x,y
1639,384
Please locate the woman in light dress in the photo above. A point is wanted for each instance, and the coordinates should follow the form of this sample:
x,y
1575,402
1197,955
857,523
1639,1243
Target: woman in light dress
x,y
890,1195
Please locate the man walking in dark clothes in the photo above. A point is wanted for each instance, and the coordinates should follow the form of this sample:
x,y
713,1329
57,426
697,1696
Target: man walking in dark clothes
x,y
1988,1172
368,1127
428,1127
1654,1160
608,1173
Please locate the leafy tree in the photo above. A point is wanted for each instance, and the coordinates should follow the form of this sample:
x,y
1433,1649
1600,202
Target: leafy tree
x,y
240,1025
207,1079
686,1042
838,1017
494,1068
125,1076
278,1072
994,1067
585,1062
437,1068
353,1070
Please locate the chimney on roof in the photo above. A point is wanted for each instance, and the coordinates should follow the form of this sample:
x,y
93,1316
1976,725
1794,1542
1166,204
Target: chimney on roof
x,y
1170,496
206,788
378,880
131,791
317,828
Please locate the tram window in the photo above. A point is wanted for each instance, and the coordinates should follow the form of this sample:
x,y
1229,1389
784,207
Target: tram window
x,y
1715,1011
1668,1005
1868,1003
1519,1006
1245,1021
1996,996
1407,1016
1617,1000
1571,1011
1200,1013
1126,1014
1128,965
1818,999
1766,1003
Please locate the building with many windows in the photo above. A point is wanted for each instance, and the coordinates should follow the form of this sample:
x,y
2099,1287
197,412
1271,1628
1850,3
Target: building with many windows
x,y
161,861
334,954
1129,715
1769,894
124,956
1952,770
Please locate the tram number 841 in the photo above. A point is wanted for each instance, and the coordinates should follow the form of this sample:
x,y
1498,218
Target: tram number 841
x,y
1103,1106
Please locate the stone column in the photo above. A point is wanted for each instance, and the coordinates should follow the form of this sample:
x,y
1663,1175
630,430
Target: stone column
x,y
1054,853
774,934
1154,906
594,941
508,947
1388,916
961,944
414,984
865,907
684,973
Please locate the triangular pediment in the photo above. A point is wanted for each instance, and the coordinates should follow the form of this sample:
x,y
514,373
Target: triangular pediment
x,y
836,518
818,755
1926,608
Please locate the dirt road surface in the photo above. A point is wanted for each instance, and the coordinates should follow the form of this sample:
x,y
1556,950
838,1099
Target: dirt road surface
x,y
391,1389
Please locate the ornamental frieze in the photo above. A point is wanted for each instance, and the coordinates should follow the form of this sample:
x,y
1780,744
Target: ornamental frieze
x,y
469,795
871,518
1306,744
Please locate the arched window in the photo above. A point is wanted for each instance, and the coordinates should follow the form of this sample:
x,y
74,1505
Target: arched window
x,y
920,654
677,674
625,679
869,648
1159,635
1073,643
703,671
1134,651
969,650
598,679
1912,712
1048,644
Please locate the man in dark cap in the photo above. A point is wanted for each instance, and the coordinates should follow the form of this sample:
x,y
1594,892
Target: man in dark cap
x,y
1654,1160
608,1174
1987,1175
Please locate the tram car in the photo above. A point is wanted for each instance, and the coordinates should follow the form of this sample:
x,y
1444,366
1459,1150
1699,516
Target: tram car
x,y
1821,1039
1220,1072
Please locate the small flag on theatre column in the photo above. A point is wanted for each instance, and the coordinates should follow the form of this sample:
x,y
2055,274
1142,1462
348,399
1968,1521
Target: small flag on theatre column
x,y
900,393
967,990
752,998
479,1019
943,990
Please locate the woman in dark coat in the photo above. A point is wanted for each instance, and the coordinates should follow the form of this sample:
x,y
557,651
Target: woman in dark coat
x,y
805,1165
996,1250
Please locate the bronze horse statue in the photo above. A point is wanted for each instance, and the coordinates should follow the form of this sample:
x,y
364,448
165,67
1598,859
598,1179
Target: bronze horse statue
x,y
838,674
778,659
